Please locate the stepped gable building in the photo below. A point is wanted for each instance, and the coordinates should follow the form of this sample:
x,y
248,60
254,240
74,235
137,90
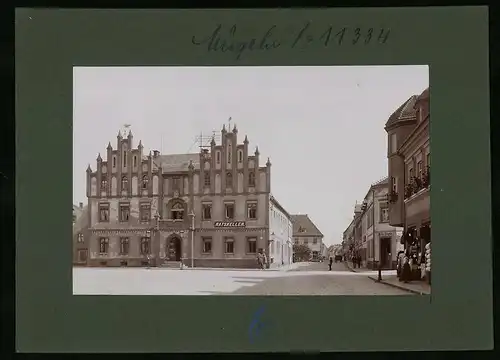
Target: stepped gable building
x,y
305,232
206,209
409,171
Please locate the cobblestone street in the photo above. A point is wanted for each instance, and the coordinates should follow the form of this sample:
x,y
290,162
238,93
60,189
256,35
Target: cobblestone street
x,y
307,279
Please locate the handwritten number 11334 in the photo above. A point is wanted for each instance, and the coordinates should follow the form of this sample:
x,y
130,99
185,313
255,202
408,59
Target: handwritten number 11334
x,y
341,36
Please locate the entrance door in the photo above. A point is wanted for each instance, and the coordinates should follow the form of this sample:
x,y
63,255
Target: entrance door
x,y
385,253
174,249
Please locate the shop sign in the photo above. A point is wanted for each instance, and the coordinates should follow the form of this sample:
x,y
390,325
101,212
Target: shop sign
x,y
385,234
229,224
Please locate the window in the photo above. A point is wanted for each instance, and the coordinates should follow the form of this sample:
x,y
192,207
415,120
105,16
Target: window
x,y
252,210
252,245
206,211
229,207
218,157
103,245
177,211
114,161
315,241
145,246
306,241
207,245
229,246
124,159
240,156
419,169
124,183
80,238
394,184
229,180
229,151
82,256
412,174
145,182
207,178
301,229
370,219
124,212
124,245
384,211
394,143
251,178
103,212
428,159
145,212
135,160
104,183
176,183
296,241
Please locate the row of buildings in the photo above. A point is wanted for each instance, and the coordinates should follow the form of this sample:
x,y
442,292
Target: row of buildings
x,y
208,209
395,213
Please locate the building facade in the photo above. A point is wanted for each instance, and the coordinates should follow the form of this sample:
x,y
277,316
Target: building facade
x,y
206,209
409,171
305,232
281,235
379,239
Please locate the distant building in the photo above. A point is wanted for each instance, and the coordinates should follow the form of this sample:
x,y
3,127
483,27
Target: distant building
x,y
149,209
281,234
379,238
409,159
307,233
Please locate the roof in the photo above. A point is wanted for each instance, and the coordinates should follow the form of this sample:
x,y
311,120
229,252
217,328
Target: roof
x,y
177,162
424,95
404,113
303,222
279,206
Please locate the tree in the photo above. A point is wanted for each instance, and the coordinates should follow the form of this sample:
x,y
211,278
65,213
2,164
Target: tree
x,y
301,252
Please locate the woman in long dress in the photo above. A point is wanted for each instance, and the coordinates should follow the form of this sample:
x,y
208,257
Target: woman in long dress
x,y
406,273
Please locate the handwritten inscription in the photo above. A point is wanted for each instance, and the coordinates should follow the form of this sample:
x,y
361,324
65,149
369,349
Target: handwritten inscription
x,y
229,40
256,324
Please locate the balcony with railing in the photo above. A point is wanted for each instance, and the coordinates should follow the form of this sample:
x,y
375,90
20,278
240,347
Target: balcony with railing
x,y
417,185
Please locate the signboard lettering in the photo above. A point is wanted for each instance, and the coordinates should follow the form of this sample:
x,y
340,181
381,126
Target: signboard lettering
x,y
385,234
234,224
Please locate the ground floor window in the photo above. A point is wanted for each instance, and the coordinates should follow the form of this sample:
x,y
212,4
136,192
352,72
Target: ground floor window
x,y
252,245
229,245
207,245
82,255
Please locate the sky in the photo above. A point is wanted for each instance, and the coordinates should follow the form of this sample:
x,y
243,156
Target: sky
x,y
321,127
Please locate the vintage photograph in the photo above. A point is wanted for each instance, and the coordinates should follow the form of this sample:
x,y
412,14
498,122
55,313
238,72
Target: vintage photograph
x,y
251,180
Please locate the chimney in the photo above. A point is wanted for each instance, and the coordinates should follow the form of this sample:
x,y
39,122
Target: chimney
x,y
156,153
81,205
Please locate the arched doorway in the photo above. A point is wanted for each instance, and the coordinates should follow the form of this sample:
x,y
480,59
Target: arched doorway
x,y
173,248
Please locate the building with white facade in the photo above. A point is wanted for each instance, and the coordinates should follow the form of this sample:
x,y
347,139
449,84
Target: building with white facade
x,y
280,234
378,238
305,232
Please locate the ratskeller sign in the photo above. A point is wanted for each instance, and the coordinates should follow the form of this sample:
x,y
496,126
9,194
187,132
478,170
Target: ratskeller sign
x,y
238,224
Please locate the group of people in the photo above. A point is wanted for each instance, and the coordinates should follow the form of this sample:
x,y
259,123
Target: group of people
x,y
356,260
412,266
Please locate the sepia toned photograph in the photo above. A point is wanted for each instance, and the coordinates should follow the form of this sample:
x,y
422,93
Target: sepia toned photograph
x,y
251,180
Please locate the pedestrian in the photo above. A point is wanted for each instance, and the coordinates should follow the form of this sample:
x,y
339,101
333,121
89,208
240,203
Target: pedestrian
x,y
330,264
406,273
260,260
399,266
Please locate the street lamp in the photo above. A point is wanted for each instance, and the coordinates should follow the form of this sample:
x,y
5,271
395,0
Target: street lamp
x,y
191,215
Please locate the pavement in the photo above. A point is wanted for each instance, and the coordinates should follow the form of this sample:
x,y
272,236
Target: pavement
x,y
299,279
417,287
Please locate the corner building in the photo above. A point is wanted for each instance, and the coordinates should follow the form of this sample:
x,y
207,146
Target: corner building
x,y
150,209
